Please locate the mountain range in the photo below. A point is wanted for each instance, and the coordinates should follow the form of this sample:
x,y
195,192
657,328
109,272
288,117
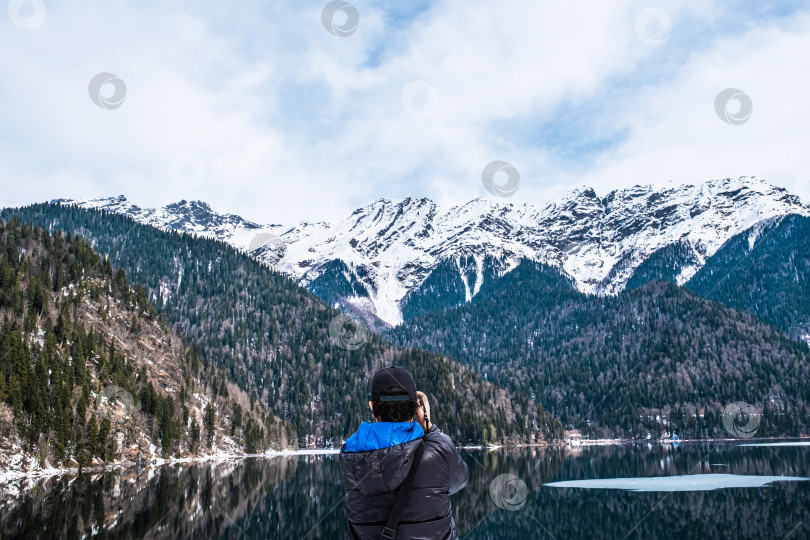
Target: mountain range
x,y
392,260
525,312
301,359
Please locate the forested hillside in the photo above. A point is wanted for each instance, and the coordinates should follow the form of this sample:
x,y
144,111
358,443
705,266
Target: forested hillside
x,y
666,264
611,365
449,284
89,372
764,271
282,344
770,280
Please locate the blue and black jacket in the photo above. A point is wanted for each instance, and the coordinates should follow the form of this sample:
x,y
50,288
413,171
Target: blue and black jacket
x,y
375,461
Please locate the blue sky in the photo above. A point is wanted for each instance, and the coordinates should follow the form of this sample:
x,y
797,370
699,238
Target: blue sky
x,y
259,110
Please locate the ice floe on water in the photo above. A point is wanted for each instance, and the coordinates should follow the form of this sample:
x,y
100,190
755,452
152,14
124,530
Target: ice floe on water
x,y
794,443
689,482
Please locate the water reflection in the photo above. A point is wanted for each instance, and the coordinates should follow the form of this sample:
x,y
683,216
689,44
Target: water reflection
x,y
301,497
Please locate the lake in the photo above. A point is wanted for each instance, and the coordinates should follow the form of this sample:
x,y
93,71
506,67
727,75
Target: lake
x,y
694,490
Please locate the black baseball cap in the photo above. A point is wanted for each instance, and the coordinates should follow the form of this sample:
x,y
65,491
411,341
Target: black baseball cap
x,y
393,376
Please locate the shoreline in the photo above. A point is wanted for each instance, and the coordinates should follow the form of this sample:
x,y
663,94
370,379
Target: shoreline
x,y
38,473
610,442
48,472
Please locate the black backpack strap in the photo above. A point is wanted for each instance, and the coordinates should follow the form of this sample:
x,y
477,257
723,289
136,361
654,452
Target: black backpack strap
x,y
389,532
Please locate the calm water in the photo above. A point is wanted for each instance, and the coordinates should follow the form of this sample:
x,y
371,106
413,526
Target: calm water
x,y
301,497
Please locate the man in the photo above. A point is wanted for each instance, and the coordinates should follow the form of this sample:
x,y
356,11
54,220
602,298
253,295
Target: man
x,y
376,460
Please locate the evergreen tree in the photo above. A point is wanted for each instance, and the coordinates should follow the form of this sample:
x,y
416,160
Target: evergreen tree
x,y
194,435
209,421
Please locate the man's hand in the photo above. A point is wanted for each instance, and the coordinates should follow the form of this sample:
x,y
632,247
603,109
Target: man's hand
x,y
421,413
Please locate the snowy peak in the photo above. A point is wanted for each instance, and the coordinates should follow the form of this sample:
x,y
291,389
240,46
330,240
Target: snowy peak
x,y
390,247
195,217
384,223
118,204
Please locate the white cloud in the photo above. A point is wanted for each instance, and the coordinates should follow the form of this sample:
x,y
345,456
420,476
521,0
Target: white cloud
x,y
294,123
676,134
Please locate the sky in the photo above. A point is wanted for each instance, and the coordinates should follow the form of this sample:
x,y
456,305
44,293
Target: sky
x,y
304,111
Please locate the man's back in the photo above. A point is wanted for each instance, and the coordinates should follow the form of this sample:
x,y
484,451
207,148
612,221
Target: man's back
x,y
376,460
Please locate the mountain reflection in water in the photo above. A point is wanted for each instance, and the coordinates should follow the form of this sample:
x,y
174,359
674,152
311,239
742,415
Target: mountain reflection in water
x,y
301,497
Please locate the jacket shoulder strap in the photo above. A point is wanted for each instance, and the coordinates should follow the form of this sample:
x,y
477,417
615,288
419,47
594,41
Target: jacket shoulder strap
x,y
389,532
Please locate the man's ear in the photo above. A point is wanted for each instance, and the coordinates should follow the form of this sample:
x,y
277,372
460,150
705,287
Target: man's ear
x,y
371,406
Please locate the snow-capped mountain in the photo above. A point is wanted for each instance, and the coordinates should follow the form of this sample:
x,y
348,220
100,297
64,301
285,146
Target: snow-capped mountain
x,y
388,248
188,216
